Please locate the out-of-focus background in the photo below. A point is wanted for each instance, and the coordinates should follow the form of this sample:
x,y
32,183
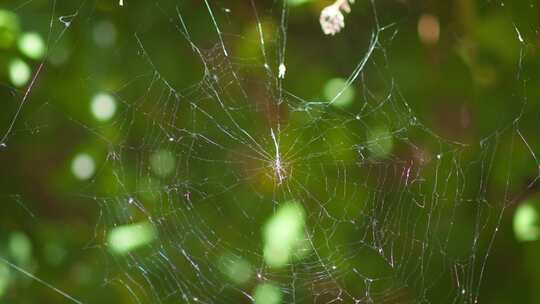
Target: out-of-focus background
x,y
231,152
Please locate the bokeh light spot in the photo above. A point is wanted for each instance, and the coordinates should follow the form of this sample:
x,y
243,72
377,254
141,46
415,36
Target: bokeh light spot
x,y
429,29
19,72
104,34
283,234
336,90
58,55
380,142
32,45
526,225
124,239
236,269
5,279
83,166
20,248
267,294
9,28
103,106
298,2
162,163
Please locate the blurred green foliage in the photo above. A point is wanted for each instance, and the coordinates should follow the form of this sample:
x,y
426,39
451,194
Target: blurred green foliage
x,y
97,145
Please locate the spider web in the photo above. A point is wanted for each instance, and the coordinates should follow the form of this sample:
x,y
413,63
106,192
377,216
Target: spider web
x,y
389,201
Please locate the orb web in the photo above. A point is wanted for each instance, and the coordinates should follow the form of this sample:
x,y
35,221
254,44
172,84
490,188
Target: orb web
x,y
237,188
